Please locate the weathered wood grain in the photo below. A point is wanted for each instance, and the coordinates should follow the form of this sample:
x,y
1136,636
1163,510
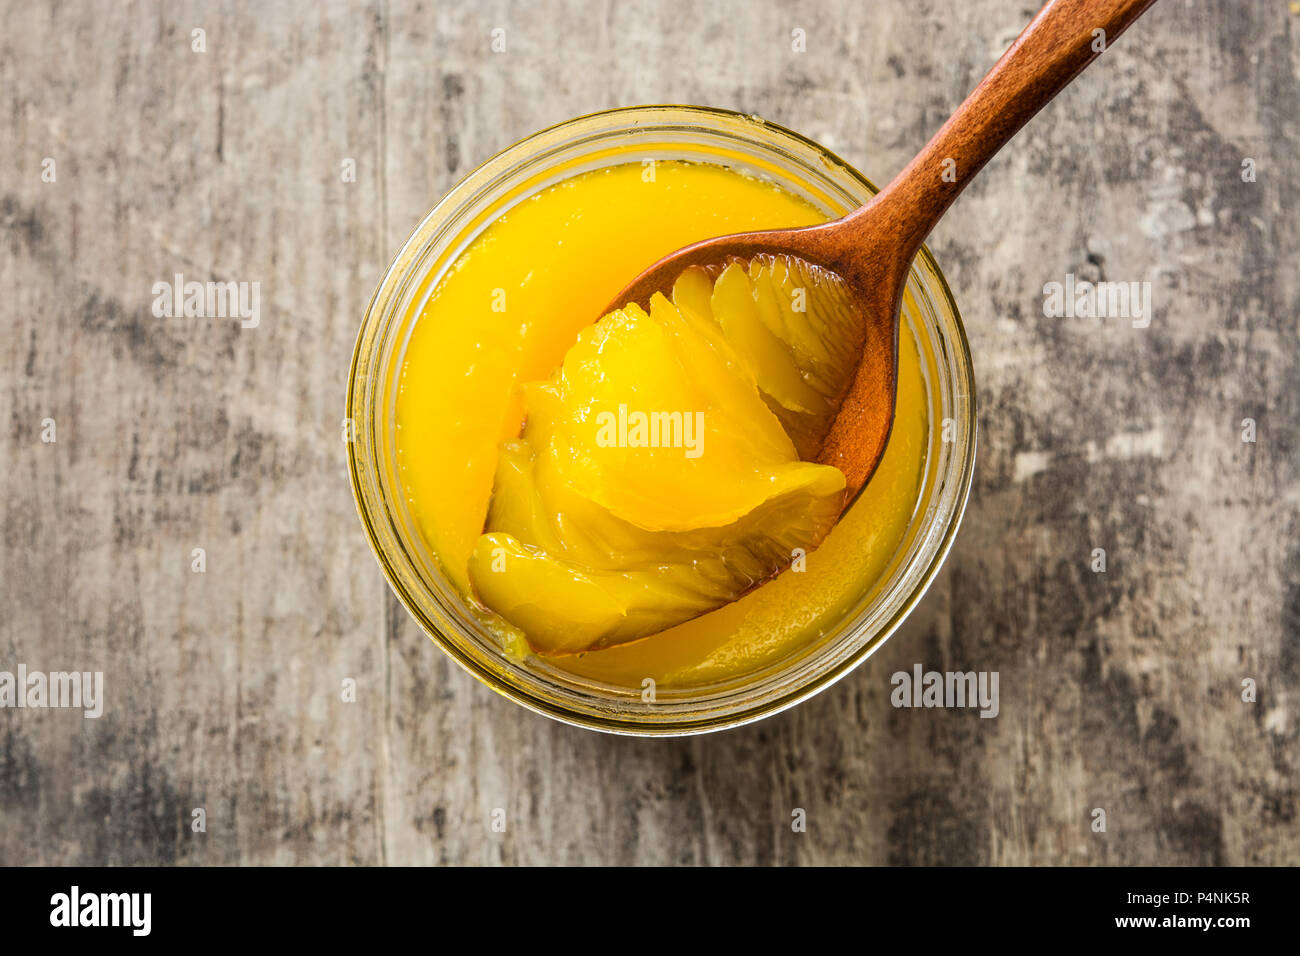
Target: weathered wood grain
x,y
1118,690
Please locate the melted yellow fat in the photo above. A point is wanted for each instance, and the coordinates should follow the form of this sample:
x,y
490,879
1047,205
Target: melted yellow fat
x,y
511,308
652,482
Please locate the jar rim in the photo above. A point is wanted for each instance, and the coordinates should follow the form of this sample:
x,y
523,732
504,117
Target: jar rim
x,y
363,455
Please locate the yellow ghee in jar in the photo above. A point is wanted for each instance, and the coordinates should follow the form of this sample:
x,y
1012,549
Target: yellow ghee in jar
x,y
506,314
657,476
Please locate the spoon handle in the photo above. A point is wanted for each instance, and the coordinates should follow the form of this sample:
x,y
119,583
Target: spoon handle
x,y
1059,42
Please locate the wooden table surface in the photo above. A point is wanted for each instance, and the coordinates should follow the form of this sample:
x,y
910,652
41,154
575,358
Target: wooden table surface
x,y
1120,690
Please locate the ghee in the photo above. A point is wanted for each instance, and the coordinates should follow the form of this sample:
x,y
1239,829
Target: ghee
x,y
507,312
610,519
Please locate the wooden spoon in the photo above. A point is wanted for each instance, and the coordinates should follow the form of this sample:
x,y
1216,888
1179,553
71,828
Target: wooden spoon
x,y
872,248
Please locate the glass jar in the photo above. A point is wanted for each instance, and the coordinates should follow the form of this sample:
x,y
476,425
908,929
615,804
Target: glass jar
x,y
757,148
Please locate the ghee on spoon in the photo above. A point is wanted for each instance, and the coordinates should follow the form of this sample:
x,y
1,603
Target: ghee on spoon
x,y
872,248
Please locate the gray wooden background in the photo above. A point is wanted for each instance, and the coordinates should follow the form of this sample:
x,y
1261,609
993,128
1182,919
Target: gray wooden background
x,y
1119,690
